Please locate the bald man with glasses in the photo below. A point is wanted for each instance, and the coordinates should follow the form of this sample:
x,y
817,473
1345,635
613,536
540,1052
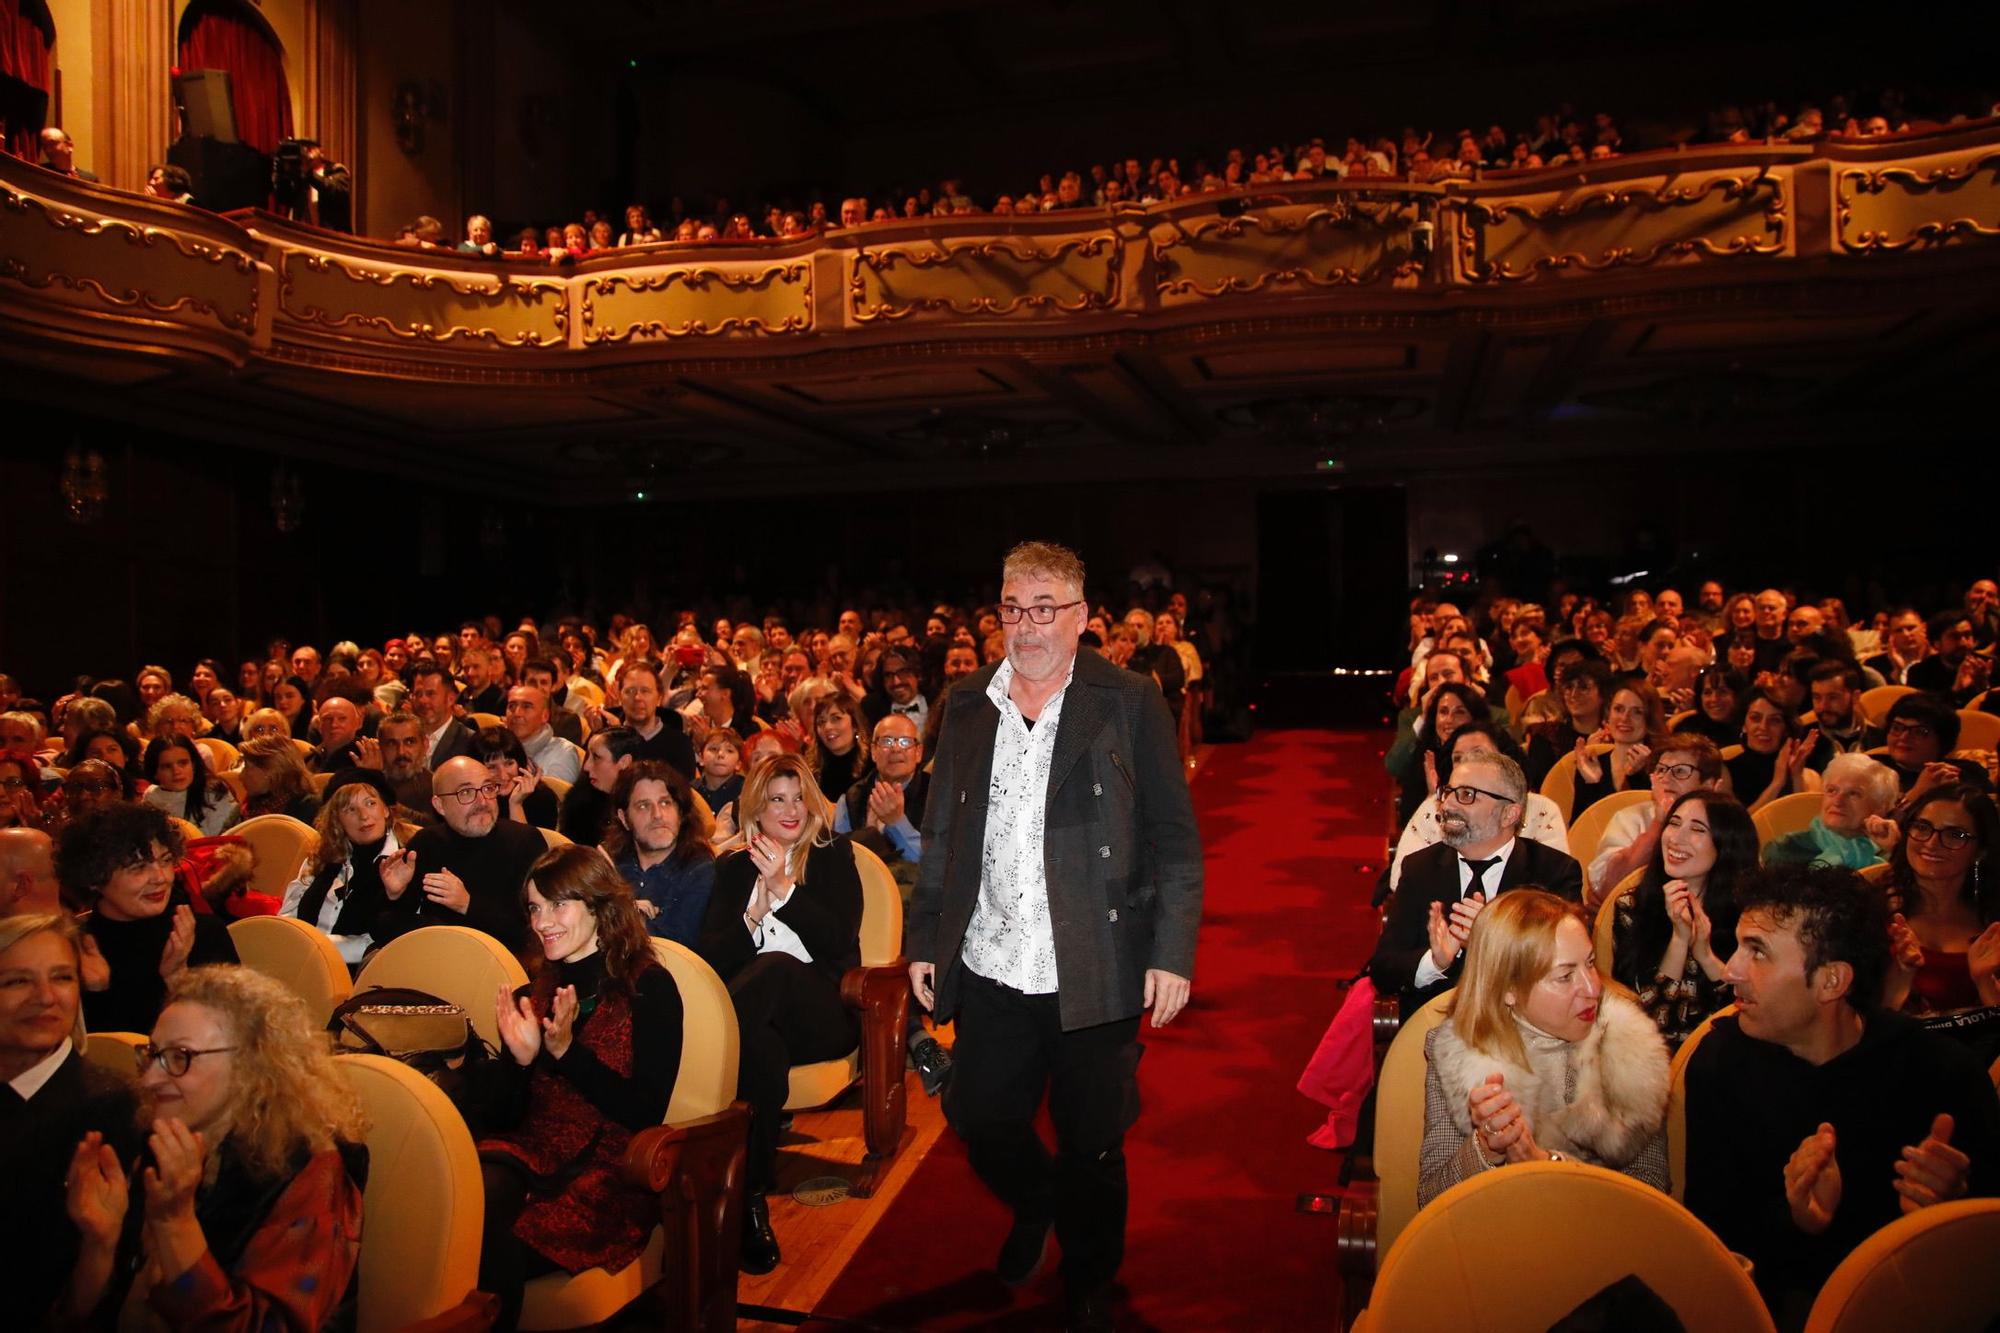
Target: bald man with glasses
x,y
469,870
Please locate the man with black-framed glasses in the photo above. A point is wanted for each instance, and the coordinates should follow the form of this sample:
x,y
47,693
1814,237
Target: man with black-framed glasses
x,y
1445,887
469,870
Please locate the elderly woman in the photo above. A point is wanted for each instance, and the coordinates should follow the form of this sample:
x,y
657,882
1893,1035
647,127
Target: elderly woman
x,y
592,1045
182,787
264,722
121,863
1853,827
248,1215
1540,1060
275,780
1944,882
1635,722
361,855
783,926
1674,933
175,715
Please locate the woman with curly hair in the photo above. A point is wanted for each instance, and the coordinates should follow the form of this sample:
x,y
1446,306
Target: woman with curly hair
x,y
249,1214
362,854
592,1046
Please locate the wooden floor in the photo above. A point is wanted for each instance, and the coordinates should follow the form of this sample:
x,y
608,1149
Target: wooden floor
x,y
818,1241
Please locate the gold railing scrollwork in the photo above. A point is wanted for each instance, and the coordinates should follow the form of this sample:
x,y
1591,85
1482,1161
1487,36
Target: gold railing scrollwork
x,y
1897,208
1349,241
1002,276
700,302
334,292
1591,230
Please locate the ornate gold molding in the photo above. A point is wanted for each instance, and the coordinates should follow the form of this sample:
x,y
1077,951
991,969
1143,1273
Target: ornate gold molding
x,y
696,282
1477,219
1016,250
1933,231
503,291
1340,213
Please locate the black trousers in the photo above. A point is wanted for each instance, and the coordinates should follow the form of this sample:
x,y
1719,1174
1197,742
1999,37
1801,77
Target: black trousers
x,y
1010,1050
506,1262
788,1013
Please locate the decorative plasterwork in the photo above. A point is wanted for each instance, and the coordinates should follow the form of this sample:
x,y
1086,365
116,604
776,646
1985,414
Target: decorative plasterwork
x,y
1341,244
700,302
1627,227
1895,208
1004,276
505,311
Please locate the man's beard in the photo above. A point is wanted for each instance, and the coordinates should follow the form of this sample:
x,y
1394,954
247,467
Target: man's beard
x,y
397,770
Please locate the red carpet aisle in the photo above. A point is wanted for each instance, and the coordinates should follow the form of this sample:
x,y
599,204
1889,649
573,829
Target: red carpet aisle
x,y
1219,1154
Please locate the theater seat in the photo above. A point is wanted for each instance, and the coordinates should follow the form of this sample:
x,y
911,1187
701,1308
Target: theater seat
x,y
880,990
113,1051
1560,784
298,957
304,747
421,1212
455,963
281,845
218,755
1479,1258
1978,731
1919,1272
481,721
695,1163
1874,705
553,838
1602,928
1588,830
557,786
1677,1146
1787,815
1374,1212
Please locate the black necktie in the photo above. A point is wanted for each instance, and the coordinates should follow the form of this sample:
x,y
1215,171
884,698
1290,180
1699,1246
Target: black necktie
x,y
1478,869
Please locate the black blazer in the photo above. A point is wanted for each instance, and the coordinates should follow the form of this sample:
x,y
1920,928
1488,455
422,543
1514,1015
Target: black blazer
x,y
457,740
825,911
1431,876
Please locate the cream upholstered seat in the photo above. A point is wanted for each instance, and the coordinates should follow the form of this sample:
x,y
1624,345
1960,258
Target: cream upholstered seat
x,y
481,721
318,781
455,963
695,1163
299,957
880,990
555,785
421,1213
1914,1274
281,845
113,1051
1374,1212
1607,918
1560,783
1677,1144
218,754
1785,816
1978,731
1468,1257
553,838
1588,829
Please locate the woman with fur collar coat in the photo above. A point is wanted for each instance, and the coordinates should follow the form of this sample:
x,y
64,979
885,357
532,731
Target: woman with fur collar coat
x,y
1540,1060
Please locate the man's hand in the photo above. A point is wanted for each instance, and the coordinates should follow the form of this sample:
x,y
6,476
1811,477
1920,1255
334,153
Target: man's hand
x,y
923,982
1444,944
885,804
1166,995
447,890
1812,1182
368,753
1933,1171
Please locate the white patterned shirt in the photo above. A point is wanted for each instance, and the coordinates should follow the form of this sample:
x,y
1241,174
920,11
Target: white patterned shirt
x,y
1010,939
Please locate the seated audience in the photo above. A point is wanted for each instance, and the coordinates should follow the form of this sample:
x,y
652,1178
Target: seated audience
x,y
529,718
1814,1115
1944,885
1684,763
361,854
434,699
182,787
1953,669
1777,753
1635,724
1835,689
660,731
340,721
527,800
837,756
120,863
398,753
1918,735
1542,821
1853,827
884,809
468,870
28,882
720,778
586,811
659,845
1673,933
1418,765
55,1097
592,1046
1540,1060
1905,643
783,927
1581,689
1444,888
248,1214
275,780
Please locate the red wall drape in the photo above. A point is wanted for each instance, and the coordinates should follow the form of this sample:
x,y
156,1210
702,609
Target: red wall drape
x,y
24,55
257,88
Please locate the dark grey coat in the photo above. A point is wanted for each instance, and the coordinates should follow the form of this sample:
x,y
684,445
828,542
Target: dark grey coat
x,y
1122,852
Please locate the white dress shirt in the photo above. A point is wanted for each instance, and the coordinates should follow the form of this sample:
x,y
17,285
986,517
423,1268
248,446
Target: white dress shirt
x,y
1011,939
353,948
32,1079
773,936
1428,972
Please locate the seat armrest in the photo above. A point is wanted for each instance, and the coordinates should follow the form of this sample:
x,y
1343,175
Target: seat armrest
x,y
866,988
1383,1025
655,1152
474,1314
882,997
696,1168
1355,1246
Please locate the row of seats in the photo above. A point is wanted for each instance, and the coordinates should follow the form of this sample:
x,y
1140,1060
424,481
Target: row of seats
x,y
1467,1255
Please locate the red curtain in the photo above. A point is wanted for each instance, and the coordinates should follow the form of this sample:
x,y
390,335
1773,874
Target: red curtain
x,y
257,88
24,56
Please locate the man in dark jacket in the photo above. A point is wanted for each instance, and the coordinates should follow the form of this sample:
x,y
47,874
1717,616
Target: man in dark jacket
x,y
1058,897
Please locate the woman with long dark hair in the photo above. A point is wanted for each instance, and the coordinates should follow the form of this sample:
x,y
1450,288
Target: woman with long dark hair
x,y
1635,723
1944,883
1777,752
1718,692
1673,934
587,809
1451,706
182,787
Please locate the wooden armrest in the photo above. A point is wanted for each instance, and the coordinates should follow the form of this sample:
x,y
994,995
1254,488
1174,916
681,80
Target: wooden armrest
x,y
654,1152
474,1314
882,996
696,1168
1355,1244
865,988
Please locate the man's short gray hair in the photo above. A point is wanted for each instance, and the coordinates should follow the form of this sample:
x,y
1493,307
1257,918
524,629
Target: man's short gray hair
x,y
1513,782
1876,780
26,720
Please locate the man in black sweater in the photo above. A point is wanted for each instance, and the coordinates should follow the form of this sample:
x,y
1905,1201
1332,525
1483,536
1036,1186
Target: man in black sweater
x,y
1814,1116
469,872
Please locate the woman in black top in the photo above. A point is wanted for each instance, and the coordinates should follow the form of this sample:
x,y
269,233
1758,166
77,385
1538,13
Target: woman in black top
x,y
293,700
1776,756
587,809
122,861
1718,692
527,801
839,755
783,927
1451,706
1581,690
1635,722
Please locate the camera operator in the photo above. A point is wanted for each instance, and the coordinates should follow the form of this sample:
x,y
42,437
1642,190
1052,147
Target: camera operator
x,y
314,188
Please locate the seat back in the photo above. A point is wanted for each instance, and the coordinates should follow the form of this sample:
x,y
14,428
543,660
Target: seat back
x,y
481,721
1399,1121
710,1048
1468,1256
1674,723
1787,815
421,1213
881,911
1603,928
1730,752
455,963
218,754
299,957
1913,1274
1560,784
556,785
281,845
113,1051
1588,829
1876,703
1875,874
1978,731
1677,1111
303,746
553,838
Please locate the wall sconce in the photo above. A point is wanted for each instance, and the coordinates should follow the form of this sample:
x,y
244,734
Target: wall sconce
x,y
84,487
288,499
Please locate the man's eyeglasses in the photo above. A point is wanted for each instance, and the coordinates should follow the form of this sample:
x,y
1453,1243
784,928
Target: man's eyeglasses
x,y
1042,613
176,1060
467,795
1922,830
1675,772
1916,731
896,742
1465,795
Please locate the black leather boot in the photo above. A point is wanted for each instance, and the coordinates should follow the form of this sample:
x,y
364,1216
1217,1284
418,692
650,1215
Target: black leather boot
x,y
760,1246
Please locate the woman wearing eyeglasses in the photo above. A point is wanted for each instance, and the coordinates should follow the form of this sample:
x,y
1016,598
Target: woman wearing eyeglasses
x,y
121,862
1581,687
1944,882
246,1210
